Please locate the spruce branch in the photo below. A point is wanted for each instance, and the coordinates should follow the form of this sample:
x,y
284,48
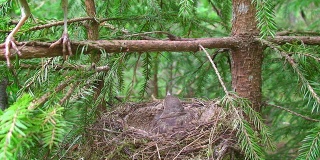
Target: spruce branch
x,y
5,7
186,7
15,128
75,20
46,96
294,113
40,49
134,77
290,32
310,148
215,8
169,35
147,65
54,126
257,121
265,16
69,92
306,54
69,66
39,74
247,138
301,76
216,70
223,8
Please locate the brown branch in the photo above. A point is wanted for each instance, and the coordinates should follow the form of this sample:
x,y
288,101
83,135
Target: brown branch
x,y
60,23
69,92
171,37
68,66
41,49
286,33
295,39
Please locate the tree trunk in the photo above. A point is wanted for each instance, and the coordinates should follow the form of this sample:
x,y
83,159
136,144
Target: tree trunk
x,y
247,56
93,34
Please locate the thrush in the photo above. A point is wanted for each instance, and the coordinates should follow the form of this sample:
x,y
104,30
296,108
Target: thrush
x,y
173,116
172,106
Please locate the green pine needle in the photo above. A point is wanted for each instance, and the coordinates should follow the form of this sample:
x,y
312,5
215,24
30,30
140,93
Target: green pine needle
x,y
310,148
265,16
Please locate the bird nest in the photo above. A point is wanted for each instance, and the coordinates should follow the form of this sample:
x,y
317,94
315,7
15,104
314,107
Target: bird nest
x,y
127,133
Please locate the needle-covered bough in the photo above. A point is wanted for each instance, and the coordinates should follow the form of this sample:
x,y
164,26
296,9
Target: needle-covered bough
x,y
25,13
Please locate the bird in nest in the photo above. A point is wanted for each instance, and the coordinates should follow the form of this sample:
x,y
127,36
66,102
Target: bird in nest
x,y
172,117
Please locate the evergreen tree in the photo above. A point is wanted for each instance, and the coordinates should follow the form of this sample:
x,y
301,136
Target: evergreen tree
x,y
260,57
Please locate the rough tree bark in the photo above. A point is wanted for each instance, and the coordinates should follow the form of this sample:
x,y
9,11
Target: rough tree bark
x,y
31,50
247,56
93,34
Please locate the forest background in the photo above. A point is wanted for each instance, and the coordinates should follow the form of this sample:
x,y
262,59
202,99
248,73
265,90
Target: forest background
x,y
279,40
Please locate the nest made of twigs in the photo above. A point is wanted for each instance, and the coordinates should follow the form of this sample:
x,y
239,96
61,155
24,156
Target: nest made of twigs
x,y
126,133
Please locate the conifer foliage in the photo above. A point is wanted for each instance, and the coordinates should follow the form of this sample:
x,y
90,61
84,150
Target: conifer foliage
x,y
139,54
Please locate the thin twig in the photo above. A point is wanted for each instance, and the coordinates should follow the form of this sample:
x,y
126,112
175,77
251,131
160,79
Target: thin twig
x,y
46,96
72,144
68,66
187,146
285,33
159,156
216,70
307,55
69,92
294,113
60,23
